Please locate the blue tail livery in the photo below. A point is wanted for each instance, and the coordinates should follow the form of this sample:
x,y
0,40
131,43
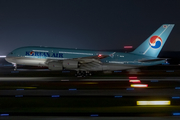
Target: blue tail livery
x,y
153,45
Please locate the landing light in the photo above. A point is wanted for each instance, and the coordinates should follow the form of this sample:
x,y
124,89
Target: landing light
x,y
2,56
153,102
139,85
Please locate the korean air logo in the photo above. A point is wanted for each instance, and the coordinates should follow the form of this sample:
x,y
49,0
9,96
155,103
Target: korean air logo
x,y
155,42
31,53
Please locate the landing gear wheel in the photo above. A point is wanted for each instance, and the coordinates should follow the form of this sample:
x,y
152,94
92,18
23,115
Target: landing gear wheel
x,y
83,74
15,67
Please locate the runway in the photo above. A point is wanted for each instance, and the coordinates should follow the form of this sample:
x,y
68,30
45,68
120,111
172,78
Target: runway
x,y
47,86
76,92
87,79
86,118
102,96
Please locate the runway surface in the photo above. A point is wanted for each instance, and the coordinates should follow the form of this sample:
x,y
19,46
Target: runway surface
x,y
86,79
75,92
105,97
85,118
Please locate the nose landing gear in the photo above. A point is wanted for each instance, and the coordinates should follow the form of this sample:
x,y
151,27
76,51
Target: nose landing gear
x,y
15,67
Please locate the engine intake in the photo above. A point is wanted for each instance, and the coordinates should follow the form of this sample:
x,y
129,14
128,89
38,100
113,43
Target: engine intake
x,y
55,66
67,64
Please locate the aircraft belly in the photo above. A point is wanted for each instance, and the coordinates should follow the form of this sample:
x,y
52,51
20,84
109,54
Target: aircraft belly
x,y
29,61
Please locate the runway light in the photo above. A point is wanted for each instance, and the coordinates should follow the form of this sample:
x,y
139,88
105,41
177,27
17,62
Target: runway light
x,y
94,115
55,96
73,89
176,114
135,81
64,80
176,97
130,89
170,71
177,87
139,85
4,114
132,77
18,95
153,102
117,96
19,89
154,80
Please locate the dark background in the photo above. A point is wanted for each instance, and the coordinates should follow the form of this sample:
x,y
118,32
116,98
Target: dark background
x,y
85,24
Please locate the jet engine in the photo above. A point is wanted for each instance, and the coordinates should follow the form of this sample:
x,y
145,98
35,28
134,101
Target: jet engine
x,y
70,64
67,64
55,66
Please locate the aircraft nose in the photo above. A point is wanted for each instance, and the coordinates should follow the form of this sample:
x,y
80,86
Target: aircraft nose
x,y
9,59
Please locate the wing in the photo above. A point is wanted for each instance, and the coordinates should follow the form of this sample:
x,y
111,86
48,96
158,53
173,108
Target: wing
x,y
81,60
91,58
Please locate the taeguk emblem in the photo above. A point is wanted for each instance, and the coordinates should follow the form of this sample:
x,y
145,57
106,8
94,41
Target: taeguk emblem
x,y
32,53
155,42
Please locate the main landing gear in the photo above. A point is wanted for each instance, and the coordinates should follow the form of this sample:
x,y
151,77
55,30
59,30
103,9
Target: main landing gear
x,y
15,67
83,74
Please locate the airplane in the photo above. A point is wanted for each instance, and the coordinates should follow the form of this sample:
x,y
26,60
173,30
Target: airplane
x,y
86,61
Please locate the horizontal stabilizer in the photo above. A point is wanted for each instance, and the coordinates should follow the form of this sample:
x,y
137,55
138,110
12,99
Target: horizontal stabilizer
x,y
152,60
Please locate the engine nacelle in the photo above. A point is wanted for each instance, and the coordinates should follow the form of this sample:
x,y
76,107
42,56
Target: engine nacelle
x,y
70,64
55,66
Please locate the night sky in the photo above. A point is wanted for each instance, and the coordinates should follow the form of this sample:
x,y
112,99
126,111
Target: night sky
x,y
86,24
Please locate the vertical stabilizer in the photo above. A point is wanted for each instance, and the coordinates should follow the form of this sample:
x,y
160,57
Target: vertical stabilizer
x,y
153,45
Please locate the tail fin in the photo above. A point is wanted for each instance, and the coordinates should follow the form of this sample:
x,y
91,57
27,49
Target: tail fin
x,y
153,45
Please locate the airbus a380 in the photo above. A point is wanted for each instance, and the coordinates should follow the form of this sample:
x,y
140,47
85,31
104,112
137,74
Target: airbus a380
x,y
84,61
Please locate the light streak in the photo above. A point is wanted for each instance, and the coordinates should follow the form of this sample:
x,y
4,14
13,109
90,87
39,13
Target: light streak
x,y
153,102
135,81
139,85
